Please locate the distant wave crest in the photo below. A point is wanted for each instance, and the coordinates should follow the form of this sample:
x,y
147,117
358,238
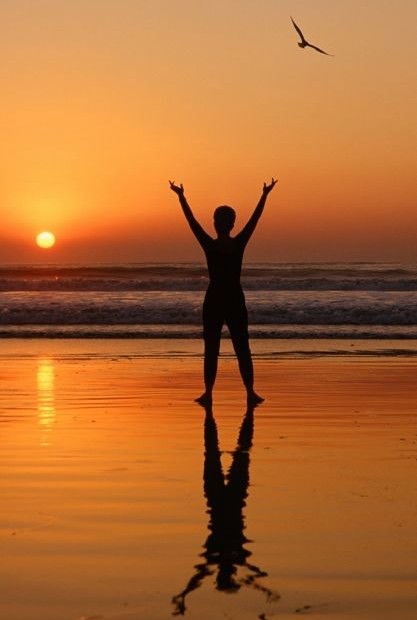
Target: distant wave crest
x,y
283,277
131,299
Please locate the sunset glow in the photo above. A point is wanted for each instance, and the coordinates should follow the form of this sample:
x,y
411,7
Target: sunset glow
x,y
106,101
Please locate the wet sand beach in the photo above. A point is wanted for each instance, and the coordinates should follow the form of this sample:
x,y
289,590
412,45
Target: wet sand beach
x,y
112,491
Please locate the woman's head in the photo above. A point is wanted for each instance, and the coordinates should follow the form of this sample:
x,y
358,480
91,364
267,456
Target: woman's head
x,y
224,219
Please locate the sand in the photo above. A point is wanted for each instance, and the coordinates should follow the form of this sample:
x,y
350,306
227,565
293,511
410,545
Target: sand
x,y
104,514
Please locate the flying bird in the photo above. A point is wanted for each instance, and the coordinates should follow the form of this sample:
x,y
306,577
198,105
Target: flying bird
x,y
305,43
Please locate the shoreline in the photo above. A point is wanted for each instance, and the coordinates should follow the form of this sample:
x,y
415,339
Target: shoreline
x,y
171,348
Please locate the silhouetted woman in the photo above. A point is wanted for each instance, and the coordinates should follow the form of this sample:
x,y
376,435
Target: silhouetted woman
x,y
224,301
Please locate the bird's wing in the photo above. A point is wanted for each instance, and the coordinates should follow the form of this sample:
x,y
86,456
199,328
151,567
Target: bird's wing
x,y
298,29
318,49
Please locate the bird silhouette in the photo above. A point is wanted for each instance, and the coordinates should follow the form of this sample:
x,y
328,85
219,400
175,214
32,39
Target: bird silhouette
x,y
305,43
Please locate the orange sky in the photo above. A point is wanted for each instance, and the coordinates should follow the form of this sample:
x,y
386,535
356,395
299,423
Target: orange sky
x,y
104,101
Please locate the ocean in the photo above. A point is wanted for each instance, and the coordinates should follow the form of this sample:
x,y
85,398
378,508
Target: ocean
x,y
291,301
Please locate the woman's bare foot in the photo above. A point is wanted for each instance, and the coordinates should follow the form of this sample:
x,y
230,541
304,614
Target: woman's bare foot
x,y
254,399
204,399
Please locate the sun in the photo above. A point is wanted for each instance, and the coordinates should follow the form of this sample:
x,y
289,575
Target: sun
x,y
45,239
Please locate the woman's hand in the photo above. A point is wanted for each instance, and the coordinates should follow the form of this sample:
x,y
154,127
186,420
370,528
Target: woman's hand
x,y
270,187
178,189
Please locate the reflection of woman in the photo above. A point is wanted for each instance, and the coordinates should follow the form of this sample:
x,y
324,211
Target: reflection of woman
x,y
224,552
224,301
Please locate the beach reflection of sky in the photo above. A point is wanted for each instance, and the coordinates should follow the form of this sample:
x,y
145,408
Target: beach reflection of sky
x,y
138,496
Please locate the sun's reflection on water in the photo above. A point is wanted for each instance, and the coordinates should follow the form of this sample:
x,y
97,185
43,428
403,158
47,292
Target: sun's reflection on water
x,y
46,397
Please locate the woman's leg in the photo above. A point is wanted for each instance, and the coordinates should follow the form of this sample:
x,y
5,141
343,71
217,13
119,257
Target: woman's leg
x,y
237,322
212,329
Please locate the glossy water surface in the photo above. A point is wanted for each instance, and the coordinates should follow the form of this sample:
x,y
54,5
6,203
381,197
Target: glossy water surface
x,y
122,499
